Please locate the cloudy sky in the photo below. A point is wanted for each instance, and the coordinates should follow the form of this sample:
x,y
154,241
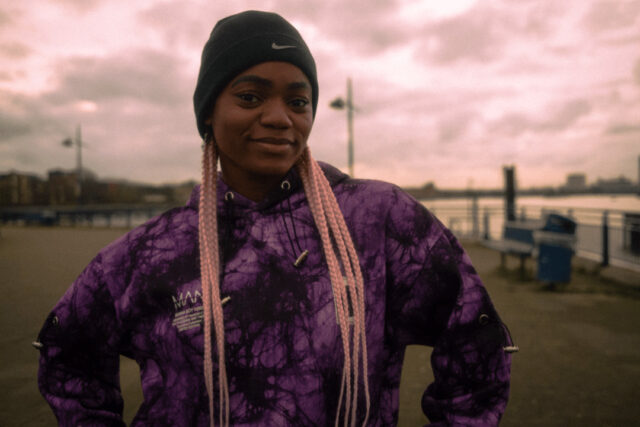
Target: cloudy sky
x,y
446,91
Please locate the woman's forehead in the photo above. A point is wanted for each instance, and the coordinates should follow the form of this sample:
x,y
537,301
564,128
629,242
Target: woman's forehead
x,y
272,73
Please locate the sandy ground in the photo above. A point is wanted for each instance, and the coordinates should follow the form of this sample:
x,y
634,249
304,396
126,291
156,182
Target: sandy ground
x,y
580,346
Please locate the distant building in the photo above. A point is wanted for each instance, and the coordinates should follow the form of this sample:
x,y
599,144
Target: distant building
x,y
576,182
614,185
426,191
63,187
19,189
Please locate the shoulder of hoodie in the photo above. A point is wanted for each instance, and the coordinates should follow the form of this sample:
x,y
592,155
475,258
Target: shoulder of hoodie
x,y
371,203
173,231
389,200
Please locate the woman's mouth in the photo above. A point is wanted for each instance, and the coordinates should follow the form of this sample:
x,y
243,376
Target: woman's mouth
x,y
273,141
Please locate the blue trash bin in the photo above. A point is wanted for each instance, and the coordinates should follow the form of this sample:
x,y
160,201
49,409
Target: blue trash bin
x,y
555,243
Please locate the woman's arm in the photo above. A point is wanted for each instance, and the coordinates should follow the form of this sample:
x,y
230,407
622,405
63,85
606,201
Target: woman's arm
x,y
436,298
79,361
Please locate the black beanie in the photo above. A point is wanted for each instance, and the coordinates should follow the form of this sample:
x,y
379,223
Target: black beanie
x,y
241,41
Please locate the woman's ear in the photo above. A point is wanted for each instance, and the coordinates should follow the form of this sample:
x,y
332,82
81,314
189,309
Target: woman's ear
x,y
209,123
208,135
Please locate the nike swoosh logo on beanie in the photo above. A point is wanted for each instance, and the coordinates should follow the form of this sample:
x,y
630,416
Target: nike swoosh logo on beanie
x,y
278,47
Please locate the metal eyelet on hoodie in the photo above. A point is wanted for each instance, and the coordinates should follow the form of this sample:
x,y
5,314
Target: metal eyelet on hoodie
x,y
285,185
229,196
483,319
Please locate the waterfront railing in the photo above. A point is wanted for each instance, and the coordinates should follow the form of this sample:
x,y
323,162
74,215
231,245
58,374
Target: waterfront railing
x,y
607,236
116,216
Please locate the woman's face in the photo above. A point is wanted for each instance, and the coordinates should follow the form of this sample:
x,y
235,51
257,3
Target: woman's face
x,y
261,122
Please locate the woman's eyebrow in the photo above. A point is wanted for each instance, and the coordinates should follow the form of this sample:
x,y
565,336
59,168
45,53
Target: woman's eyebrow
x,y
299,85
251,78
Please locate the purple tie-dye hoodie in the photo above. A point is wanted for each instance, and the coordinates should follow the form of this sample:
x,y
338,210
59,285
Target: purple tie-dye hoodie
x,y
141,297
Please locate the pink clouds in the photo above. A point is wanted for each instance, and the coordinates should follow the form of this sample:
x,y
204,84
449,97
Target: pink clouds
x,y
444,95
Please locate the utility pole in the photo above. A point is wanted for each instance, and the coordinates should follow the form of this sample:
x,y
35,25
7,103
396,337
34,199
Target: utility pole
x,y
350,126
79,170
340,104
509,193
79,162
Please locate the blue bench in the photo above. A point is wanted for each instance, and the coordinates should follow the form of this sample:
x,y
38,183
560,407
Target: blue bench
x,y
517,239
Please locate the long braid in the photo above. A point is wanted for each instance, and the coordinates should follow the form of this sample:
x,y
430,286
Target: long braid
x,y
210,273
356,293
317,209
328,199
347,293
327,213
359,306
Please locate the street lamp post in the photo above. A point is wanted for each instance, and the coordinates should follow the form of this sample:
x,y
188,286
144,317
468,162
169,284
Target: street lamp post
x,y
79,171
340,104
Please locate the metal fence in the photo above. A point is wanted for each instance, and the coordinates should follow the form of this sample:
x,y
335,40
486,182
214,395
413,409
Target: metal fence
x,y
124,216
606,236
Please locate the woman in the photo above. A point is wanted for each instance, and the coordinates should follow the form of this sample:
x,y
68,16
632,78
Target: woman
x,y
300,286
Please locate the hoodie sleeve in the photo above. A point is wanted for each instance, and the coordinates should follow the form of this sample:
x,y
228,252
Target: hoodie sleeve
x,y
437,299
79,361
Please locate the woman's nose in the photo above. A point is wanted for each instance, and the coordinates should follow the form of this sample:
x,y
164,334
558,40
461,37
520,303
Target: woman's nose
x,y
275,114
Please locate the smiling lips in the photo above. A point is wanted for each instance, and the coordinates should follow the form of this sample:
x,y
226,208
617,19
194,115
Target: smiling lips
x,y
273,141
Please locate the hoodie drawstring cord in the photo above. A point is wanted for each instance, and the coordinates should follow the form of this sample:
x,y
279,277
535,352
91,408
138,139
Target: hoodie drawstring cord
x,y
229,226
286,186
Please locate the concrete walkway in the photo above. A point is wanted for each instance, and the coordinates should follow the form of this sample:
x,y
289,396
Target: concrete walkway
x,y
580,346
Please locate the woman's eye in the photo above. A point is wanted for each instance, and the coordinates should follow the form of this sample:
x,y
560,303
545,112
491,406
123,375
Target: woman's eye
x,y
299,102
248,98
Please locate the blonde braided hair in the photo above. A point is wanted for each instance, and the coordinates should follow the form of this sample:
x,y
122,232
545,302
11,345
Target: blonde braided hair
x,y
333,229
